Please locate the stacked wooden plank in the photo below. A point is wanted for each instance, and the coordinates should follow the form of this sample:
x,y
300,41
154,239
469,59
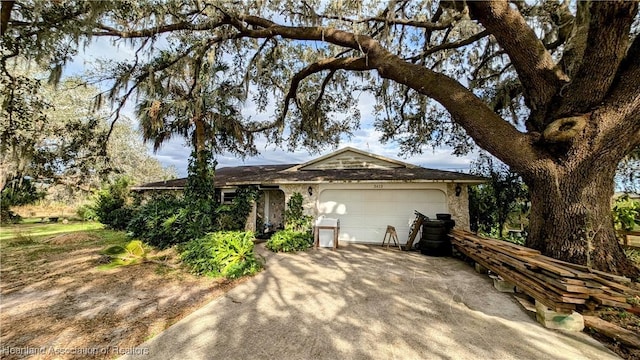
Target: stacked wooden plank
x,y
561,286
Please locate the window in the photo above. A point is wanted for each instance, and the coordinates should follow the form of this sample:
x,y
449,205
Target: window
x,y
227,196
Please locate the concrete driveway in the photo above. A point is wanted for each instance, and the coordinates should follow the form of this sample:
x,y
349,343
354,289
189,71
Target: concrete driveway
x,y
364,302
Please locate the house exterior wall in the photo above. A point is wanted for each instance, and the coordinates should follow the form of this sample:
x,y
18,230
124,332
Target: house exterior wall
x,y
276,209
459,205
308,201
351,160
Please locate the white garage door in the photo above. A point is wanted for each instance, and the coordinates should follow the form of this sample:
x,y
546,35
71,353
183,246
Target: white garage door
x,y
365,214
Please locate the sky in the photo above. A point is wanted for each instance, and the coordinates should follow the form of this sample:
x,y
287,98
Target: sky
x,y
176,152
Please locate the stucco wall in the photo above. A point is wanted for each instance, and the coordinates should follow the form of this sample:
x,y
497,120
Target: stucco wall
x,y
459,205
308,201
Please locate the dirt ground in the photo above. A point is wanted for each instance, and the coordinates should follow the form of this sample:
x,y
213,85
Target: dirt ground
x,y
56,303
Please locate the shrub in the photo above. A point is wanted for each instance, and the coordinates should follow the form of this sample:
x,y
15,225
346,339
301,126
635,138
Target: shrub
x,y
626,213
224,253
234,216
87,213
112,204
157,221
294,215
288,240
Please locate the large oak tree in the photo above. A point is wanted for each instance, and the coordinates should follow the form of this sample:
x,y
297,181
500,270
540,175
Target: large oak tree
x,y
551,89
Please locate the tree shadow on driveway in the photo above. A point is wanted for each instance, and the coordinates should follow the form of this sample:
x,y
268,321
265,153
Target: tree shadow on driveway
x,y
364,302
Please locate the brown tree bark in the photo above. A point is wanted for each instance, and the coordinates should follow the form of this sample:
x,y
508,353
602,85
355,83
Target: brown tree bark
x,y
199,137
570,218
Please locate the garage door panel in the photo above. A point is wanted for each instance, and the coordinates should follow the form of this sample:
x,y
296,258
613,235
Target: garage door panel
x,y
365,214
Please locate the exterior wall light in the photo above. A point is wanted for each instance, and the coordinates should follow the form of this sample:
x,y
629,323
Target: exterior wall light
x,y
310,191
458,189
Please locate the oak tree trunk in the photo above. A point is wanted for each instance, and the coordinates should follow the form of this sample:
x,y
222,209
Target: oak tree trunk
x,y
571,220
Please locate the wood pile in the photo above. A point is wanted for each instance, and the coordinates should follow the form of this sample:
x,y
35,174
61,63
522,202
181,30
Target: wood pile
x,y
561,286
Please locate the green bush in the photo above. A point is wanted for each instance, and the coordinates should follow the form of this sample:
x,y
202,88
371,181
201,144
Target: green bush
x,y
288,240
224,253
87,213
233,217
112,204
626,213
158,221
294,215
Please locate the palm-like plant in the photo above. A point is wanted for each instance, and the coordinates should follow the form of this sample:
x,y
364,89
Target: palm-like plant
x,y
196,102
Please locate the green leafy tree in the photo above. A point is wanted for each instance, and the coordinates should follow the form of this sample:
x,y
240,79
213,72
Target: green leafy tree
x,y
17,192
113,204
558,103
57,138
628,173
491,204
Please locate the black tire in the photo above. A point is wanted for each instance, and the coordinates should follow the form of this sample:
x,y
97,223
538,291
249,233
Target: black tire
x,y
435,248
443,216
433,224
449,224
431,244
434,231
440,238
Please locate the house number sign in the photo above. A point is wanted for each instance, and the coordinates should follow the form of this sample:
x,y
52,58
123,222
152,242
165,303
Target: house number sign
x,y
377,186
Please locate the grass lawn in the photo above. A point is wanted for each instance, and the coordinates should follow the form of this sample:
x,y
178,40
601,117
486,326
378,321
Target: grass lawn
x,y
35,230
55,294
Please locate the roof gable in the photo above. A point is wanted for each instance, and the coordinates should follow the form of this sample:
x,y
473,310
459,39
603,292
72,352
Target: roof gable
x,y
351,159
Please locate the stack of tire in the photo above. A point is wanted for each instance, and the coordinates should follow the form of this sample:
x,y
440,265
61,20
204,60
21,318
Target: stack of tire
x,y
435,240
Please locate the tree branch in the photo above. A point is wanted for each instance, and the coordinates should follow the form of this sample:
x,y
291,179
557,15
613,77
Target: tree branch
x,y
622,104
5,15
451,45
604,52
488,129
333,64
428,25
536,69
111,31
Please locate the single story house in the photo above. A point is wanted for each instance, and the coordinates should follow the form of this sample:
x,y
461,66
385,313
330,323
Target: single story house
x,y
366,192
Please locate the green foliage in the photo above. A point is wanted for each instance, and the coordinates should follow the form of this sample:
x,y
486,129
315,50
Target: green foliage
x,y
17,192
226,253
112,204
198,214
626,213
131,253
87,213
289,240
233,217
156,223
167,220
491,204
294,215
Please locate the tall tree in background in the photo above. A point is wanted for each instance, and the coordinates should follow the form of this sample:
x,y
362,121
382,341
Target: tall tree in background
x,y
194,101
550,89
491,204
628,173
53,136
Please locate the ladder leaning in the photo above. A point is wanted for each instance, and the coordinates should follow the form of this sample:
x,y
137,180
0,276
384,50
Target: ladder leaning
x,y
415,228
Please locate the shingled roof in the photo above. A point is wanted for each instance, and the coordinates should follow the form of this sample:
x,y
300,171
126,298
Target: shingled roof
x,y
288,174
